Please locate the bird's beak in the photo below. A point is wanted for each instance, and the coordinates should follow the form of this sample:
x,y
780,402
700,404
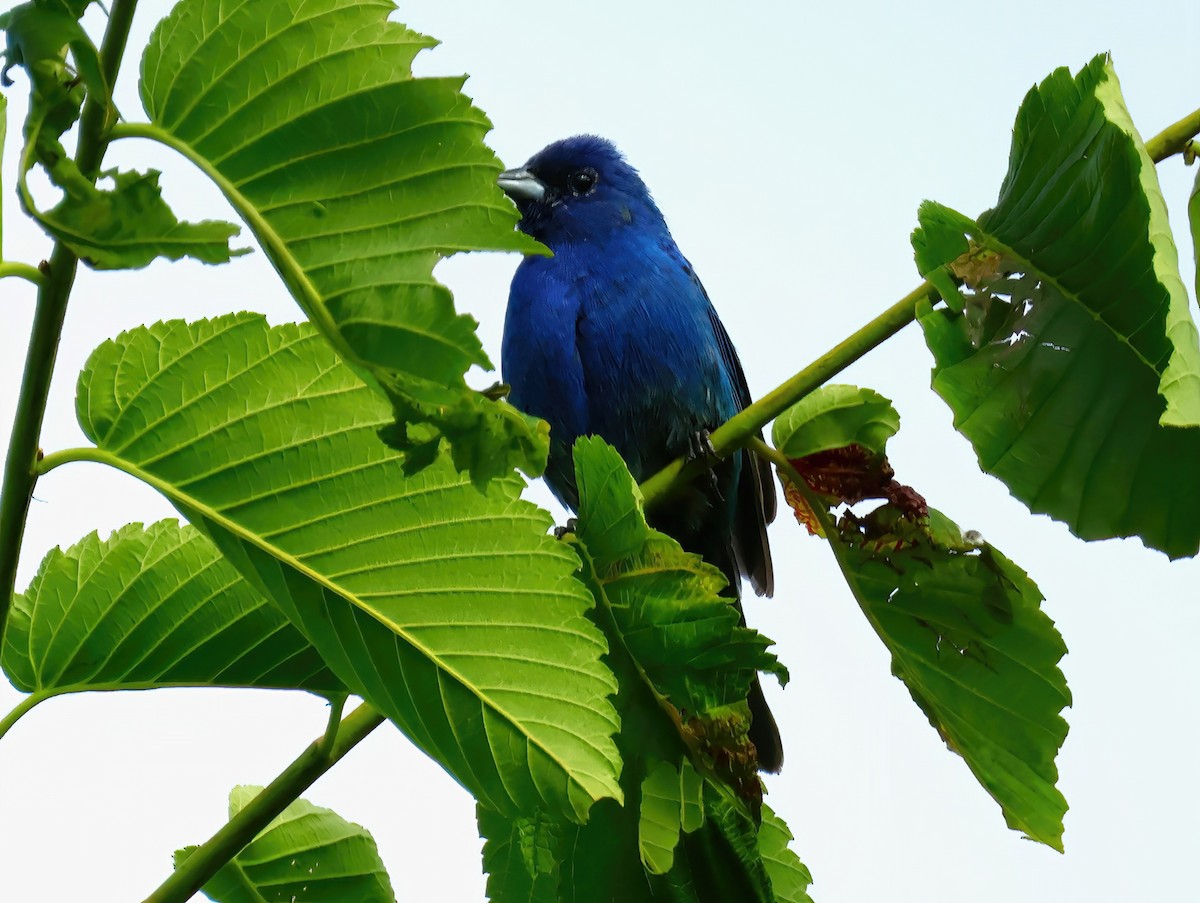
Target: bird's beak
x,y
521,185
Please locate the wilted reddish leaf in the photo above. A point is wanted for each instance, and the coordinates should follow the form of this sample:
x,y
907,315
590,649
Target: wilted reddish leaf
x,y
844,476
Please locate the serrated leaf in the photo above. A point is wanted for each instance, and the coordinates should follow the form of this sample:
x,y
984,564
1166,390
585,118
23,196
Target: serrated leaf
x,y
835,416
969,640
659,845
665,600
520,856
725,852
126,226
130,225
1194,219
449,609
153,607
39,32
307,854
790,877
357,179
1075,368
672,804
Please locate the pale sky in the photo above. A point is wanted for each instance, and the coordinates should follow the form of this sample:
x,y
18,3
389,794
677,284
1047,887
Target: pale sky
x,y
788,145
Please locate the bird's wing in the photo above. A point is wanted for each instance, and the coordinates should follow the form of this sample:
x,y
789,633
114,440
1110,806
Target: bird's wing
x,y
756,490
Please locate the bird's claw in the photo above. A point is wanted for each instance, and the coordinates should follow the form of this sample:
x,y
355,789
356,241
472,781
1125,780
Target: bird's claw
x,y
571,526
701,450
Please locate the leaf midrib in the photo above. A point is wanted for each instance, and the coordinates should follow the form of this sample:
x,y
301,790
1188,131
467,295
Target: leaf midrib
x,y
101,456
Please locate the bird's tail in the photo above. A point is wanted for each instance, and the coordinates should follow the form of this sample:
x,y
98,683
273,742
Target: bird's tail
x,y
764,732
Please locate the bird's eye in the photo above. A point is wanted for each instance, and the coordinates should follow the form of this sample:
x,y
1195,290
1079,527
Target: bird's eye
x,y
582,181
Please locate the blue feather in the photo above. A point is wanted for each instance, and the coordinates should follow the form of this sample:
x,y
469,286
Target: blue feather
x,y
615,336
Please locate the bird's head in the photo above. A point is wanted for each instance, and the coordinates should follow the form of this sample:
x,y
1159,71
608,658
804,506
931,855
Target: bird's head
x,y
579,189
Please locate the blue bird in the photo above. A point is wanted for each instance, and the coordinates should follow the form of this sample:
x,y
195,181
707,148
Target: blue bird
x,y
614,336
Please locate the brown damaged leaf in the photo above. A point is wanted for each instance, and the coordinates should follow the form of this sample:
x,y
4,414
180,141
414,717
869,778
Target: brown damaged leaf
x,y
846,476
723,743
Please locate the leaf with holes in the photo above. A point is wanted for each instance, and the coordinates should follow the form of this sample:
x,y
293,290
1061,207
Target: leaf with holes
x,y
357,178
1074,366
147,608
306,855
969,640
451,610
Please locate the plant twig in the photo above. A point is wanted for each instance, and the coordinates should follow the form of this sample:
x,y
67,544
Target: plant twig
x,y
1174,138
208,858
739,430
9,269
16,492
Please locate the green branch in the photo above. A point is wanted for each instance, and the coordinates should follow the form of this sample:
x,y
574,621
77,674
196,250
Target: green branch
x,y
321,755
1174,138
16,492
10,270
741,429
21,709
738,430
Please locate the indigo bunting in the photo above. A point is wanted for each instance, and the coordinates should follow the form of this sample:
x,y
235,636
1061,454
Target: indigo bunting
x,y
614,336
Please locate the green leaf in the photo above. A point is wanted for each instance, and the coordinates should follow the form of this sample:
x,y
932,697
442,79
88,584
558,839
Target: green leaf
x,y
153,607
520,856
307,854
835,416
790,877
659,845
357,179
130,225
969,640
36,39
127,226
1075,368
672,803
1194,219
447,608
665,601
39,32
724,855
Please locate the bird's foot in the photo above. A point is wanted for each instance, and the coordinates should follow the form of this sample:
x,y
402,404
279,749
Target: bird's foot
x,y
700,450
570,526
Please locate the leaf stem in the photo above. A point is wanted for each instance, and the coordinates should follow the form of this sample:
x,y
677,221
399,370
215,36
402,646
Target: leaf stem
x,y
54,290
337,705
1174,138
208,858
22,271
20,709
738,430
66,456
